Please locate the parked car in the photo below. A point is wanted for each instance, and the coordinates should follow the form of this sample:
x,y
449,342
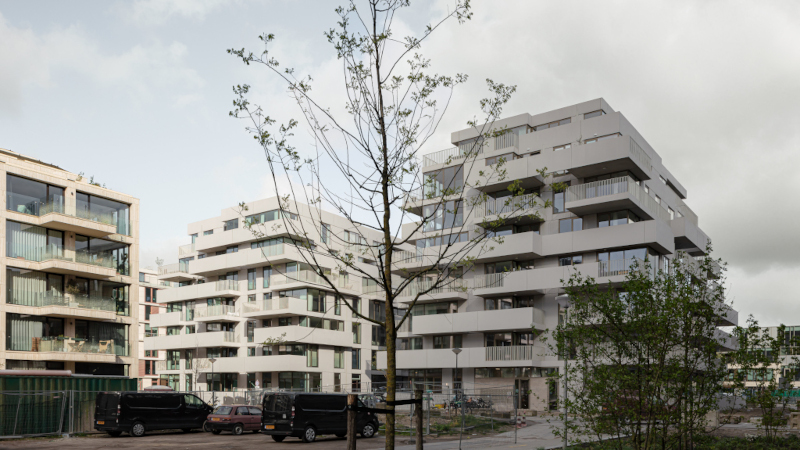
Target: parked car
x,y
138,412
308,415
234,418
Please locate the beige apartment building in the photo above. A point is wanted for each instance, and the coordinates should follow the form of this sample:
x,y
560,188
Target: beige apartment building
x,y
621,205
68,271
149,285
253,306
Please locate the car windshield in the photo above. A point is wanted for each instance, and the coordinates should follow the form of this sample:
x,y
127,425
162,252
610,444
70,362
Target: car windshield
x,y
223,410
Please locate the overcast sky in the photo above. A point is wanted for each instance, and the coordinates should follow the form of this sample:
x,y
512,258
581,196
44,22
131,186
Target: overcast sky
x,y
137,93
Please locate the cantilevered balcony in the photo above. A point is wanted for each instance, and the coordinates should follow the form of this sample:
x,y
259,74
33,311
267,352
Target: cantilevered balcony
x,y
244,259
176,272
613,195
220,288
656,234
447,289
304,335
279,307
512,356
58,215
57,259
70,349
181,341
480,321
309,278
216,313
64,305
610,155
526,208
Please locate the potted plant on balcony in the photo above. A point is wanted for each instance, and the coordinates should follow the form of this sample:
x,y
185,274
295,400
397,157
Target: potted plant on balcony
x,y
73,291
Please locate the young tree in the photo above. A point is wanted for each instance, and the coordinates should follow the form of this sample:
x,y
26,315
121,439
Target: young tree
x,y
763,371
364,165
643,353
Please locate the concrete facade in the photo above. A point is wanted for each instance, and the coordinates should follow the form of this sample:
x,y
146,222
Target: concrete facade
x,y
149,285
67,272
610,168
225,303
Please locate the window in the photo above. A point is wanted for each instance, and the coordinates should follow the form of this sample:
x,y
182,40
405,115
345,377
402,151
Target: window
x,y
312,355
230,224
141,277
552,124
251,351
535,152
507,230
251,298
410,343
443,216
147,312
448,181
284,321
267,274
637,253
491,304
646,189
190,329
570,260
658,199
338,358
601,138
562,147
356,333
663,180
251,328
319,322
337,306
356,358
147,296
597,113
194,237
208,232
447,341
251,279
505,158
33,197
268,216
671,213
356,383
558,202
324,232
442,240
428,309
616,218
569,225
337,382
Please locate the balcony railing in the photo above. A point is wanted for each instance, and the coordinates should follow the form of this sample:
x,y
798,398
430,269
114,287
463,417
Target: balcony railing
x,y
617,267
230,336
76,345
492,280
640,155
215,310
450,155
227,285
100,259
512,353
309,276
41,299
506,140
614,186
457,285
268,304
186,249
55,252
179,267
168,365
508,205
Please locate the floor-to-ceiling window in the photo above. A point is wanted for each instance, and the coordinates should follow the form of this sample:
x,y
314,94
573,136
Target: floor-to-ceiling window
x,y
33,197
105,211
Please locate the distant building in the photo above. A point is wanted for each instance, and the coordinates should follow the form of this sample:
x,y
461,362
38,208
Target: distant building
x,y
149,286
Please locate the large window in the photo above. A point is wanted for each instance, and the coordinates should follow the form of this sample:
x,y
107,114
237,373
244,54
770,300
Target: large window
x,y
315,299
442,240
569,225
453,341
33,243
32,288
251,279
356,359
553,124
443,216
414,343
616,218
33,197
268,216
338,358
433,308
299,381
26,333
312,355
105,211
101,252
319,322
449,180
508,339
230,224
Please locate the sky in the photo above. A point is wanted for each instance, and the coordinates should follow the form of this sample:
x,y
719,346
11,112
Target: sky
x,y
137,94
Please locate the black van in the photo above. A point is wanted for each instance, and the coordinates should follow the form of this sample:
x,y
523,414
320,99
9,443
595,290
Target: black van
x,y
137,412
307,415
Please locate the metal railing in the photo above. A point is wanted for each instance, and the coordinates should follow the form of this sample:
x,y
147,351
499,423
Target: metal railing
x,y
268,304
74,345
457,285
506,140
215,310
179,267
227,285
614,186
100,259
491,280
41,299
507,205
616,267
512,353
450,155
640,155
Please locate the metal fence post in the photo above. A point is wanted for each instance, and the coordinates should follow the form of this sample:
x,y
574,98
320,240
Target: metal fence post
x,y
16,416
71,412
63,411
515,416
428,427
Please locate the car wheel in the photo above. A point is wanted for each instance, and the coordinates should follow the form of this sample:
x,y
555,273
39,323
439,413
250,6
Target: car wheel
x,y
137,430
368,431
216,431
310,434
206,427
278,438
238,429
114,433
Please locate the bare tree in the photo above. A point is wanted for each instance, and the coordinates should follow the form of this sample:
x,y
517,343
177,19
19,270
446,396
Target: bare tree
x,y
364,164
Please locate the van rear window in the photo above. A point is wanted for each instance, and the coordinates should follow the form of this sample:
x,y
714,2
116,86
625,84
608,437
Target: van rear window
x,y
153,400
277,403
322,402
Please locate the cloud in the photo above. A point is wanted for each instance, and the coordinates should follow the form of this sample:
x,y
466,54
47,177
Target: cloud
x,y
143,72
158,12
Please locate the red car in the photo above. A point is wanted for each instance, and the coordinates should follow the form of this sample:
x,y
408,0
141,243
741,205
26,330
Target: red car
x,y
234,418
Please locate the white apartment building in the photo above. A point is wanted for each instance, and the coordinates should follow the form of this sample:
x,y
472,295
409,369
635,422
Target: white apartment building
x,y
254,306
621,204
149,285
69,290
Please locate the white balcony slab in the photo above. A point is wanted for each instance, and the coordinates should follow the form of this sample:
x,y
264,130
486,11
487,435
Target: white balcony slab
x,y
180,341
304,335
480,321
170,319
226,288
469,357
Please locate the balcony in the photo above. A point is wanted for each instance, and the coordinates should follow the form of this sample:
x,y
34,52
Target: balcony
x,y
516,246
175,272
277,307
72,349
58,216
169,319
194,340
480,321
304,335
469,357
220,288
310,278
244,259
519,208
186,250
647,233
173,367
57,259
216,313
67,305
613,195
448,289
610,155
688,236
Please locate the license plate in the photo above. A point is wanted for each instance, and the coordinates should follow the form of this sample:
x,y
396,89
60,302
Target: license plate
x,y
269,427
215,419
101,422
